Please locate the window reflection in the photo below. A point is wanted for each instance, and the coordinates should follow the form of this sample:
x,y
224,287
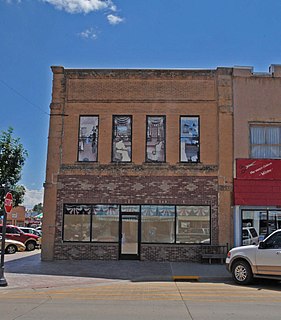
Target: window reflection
x,y
155,139
130,208
193,224
189,139
77,219
158,224
258,224
88,138
105,224
122,139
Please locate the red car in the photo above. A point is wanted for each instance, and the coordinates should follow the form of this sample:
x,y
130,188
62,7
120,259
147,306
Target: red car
x,y
31,241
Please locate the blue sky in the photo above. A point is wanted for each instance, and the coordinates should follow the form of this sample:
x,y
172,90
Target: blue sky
x,y
36,34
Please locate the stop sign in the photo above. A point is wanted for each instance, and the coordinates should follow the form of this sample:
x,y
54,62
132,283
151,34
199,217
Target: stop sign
x,y
8,203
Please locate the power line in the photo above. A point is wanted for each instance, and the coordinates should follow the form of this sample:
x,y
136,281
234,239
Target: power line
x,y
23,97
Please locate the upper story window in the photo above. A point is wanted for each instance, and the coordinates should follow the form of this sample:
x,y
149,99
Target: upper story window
x,y
265,141
88,138
122,139
156,138
189,139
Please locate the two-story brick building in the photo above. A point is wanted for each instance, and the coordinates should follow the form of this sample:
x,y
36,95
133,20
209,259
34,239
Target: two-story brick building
x,y
139,164
257,153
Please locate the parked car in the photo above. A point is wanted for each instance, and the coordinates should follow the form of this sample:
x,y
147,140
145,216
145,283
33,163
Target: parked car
x,y
250,236
12,246
31,241
256,261
32,231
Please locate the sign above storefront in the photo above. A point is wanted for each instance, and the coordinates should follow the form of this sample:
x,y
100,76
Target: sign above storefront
x,y
257,192
263,169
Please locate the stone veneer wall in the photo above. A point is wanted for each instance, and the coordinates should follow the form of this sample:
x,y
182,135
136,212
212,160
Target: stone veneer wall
x,y
174,190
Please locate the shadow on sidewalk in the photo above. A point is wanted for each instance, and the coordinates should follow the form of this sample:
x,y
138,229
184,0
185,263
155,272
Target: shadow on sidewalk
x,y
30,263
121,270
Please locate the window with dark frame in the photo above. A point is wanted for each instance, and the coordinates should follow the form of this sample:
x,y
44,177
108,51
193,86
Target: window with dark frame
x,y
265,141
76,223
105,223
258,224
193,224
156,139
122,139
189,139
159,223
88,138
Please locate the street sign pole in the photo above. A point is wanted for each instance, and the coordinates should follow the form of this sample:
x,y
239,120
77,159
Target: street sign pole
x,y
8,207
3,281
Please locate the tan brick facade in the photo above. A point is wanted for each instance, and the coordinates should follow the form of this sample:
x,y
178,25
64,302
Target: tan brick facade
x,y
206,94
257,104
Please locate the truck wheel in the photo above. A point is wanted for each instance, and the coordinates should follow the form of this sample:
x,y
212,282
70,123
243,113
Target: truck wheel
x,y
11,249
30,246
242,273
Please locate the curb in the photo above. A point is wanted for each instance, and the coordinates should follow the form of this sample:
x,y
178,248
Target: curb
x,y
185,278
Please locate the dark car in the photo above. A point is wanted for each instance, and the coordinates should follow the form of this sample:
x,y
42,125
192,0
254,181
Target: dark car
x,y
31,241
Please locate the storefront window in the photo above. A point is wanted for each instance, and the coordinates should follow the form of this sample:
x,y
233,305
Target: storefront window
x,y
258,224
77,221
122,139
105,224
88,138
193,224
158,224
189,139
274,220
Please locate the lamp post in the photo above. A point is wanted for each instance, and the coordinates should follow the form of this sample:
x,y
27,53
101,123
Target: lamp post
x,y
8,204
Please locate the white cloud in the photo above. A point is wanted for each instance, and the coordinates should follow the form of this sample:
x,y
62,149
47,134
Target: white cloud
x,y
113,19
82,6
32,197
90,34
11,1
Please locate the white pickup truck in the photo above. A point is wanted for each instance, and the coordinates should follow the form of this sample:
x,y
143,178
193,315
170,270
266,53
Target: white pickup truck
x,y
259,261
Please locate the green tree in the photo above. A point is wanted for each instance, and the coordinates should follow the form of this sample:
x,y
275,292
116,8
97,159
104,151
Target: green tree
x,y
12,159
38,207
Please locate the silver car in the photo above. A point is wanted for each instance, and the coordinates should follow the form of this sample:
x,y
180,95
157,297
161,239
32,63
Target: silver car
x,y
256,261
12,246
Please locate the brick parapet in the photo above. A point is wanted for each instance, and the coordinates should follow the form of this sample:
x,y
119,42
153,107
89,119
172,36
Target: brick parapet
x,y
138,73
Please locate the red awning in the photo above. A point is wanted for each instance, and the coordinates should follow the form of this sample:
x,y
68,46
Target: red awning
x,y
257,192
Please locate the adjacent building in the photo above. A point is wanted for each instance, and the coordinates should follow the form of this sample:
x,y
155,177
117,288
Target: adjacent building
x,y
257,153
17,216
140,164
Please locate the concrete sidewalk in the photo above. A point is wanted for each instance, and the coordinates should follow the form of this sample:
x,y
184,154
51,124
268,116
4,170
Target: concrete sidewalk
x,y
26,269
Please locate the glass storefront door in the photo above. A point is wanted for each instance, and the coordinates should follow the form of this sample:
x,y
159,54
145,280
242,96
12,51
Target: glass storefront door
x,y
129,238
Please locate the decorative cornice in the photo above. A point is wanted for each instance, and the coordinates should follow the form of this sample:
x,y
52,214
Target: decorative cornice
x,y
146,168
137,74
